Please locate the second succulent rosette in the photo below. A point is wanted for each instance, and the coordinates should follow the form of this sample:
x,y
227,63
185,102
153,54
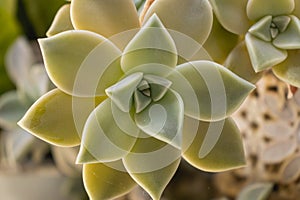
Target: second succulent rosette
x,y
270,37
130,97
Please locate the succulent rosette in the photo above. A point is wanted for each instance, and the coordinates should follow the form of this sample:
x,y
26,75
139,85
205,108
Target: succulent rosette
x,y
128,96
271,36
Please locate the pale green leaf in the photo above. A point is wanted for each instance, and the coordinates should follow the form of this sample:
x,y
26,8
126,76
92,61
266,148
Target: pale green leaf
x,y
78,61
238,61
290,38
163,119
19,58
261,29
152,164
11,110
104,182
121,93
289,70
17,144
257,9
228,11
53,119
102,138
212,146
209,91
193,18
263,54
257,191
219,43
152,44
105,17
61,22
296,11
37,82
158,86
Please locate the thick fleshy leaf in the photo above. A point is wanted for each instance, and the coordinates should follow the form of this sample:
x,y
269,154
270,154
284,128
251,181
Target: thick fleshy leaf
x,y
61,22
296,12
238,61
121,93
73,66
158,86
289,70
17,144
219,43
281,22
257,191
152,44
228,11
263,54
64,159
195,18
104,182
163,119
103,138
209,91
51,118
141,101
215,146
37,83
152,164
290,38
11,110
19,59
257,9
261,29
105,17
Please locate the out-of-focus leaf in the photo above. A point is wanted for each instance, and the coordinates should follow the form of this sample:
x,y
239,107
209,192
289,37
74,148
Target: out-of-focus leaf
x,y
258,191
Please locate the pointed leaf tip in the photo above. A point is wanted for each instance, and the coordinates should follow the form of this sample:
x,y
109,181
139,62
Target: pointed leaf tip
x,y
103,181
152,44
209,91
216,146
42,120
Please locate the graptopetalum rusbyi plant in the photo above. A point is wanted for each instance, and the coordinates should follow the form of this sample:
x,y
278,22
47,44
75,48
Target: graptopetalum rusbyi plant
x,y
135,96
270,37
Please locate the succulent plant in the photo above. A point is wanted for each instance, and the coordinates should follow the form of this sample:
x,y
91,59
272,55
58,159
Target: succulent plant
x,y
270,32
133,97
269,123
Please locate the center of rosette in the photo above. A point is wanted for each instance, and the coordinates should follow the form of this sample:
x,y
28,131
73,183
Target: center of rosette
x,y
269,27
138,90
